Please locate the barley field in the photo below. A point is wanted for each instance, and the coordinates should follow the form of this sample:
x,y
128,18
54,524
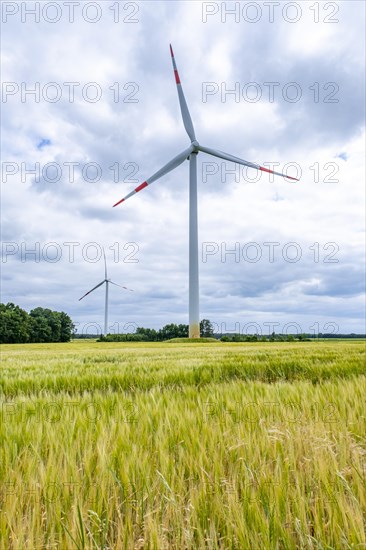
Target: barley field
x,y
171,446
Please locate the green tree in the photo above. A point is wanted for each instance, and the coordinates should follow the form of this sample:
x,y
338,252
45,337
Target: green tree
x,y
206,329
173,331
14,324
40,325
67,327
52,319
40,331
148,334
182,331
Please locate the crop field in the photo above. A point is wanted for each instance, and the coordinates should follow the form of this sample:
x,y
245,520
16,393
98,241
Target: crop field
x,y
234,446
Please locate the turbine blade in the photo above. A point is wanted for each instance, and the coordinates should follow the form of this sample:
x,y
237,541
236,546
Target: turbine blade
x,y
125,287
176,161
100,284
238,160
187,121
226,156
105,265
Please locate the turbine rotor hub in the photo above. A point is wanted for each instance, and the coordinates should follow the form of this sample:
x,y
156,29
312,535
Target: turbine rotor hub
x,y
195,145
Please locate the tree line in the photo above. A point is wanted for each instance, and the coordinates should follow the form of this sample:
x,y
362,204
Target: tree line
x,y
172,330
166,333
42,325
17,326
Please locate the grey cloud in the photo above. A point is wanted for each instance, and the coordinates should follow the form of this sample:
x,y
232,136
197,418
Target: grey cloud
x,y
149,133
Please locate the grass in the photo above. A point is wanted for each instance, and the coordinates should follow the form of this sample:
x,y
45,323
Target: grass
x,y
109,445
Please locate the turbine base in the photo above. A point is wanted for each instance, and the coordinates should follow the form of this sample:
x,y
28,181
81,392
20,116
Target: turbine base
x,y
194,330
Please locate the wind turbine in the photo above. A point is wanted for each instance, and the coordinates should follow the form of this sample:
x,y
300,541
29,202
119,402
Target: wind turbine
x,y
107,282
191,155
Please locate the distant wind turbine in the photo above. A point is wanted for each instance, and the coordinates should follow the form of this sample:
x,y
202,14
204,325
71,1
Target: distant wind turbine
x,y
107,282
191,154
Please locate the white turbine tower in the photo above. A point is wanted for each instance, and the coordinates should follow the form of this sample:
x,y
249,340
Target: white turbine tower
x,y
191,154
107,282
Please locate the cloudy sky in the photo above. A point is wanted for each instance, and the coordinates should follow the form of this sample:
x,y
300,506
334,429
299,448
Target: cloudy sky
x,y
90,110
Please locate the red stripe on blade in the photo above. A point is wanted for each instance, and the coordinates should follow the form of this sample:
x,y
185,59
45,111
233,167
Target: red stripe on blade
x,y
171,50
277,174
266,169
141,186
119,202
177,79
